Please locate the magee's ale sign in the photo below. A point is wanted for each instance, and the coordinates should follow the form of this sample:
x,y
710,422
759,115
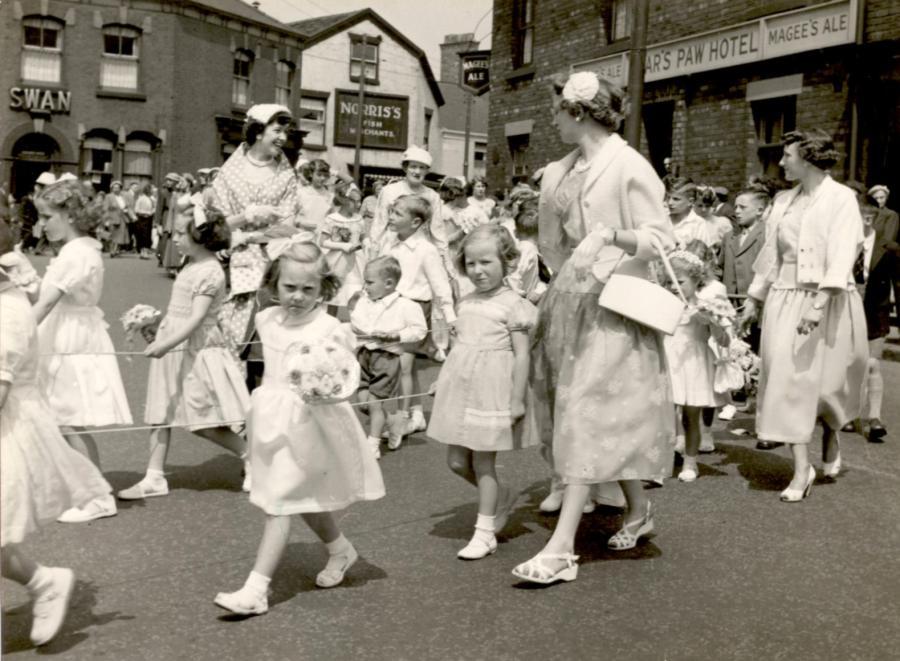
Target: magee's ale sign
x,y
476,69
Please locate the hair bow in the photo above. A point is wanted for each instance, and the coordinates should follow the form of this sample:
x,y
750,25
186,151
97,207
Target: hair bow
x,y
277,247
199,216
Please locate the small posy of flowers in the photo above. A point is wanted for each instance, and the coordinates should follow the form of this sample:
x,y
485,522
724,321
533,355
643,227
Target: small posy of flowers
x,y
717,310
143,319
739,358
321,373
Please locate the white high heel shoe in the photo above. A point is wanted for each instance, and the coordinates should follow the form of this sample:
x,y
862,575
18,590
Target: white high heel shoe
x,y
832,468
796,495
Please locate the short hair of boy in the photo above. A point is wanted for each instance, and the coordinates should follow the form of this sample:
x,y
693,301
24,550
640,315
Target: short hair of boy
x,y
386,267
417,206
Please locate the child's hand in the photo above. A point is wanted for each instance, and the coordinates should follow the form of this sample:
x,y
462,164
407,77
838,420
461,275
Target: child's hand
x,y
156,350
517,410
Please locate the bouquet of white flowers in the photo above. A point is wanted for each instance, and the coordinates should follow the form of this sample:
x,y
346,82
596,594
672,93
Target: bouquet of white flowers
x,y
736,366
717,309
321,373
143,319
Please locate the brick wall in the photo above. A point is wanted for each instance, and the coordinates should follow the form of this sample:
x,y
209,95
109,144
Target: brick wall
x,y
713,131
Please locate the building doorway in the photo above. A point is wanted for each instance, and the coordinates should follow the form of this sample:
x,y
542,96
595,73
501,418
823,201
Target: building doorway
x,y
658,123
32,154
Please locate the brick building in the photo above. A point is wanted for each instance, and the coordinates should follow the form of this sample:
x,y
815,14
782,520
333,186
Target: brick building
x,y
129,90
724,80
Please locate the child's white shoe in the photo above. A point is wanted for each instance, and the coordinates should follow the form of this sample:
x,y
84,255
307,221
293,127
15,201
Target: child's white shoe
x,y
247,483
398,426
728,411
416,422
689,472
337,566
480,546
51,602
245,601
553,501
98,508
149,487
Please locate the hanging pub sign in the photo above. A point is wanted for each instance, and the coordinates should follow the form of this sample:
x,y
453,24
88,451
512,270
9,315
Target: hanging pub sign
x,y
36,99
476,69
385,120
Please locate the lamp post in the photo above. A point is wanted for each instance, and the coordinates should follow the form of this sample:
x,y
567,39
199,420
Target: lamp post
x,y
359,112
636,57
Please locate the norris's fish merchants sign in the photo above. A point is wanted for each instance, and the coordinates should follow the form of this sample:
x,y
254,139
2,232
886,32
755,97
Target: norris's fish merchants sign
x,y
385,120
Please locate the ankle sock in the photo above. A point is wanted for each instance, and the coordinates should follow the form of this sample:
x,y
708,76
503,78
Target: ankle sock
x,y
485,523
338,546
39,580
258,583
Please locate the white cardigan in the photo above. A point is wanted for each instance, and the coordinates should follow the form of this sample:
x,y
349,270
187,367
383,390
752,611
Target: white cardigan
x,y
831,233
620,191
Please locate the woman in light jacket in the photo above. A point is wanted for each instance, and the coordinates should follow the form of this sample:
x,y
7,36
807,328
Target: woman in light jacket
x,y
601,396
813,346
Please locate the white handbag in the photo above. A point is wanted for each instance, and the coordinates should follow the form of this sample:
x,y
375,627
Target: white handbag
x,y
643,301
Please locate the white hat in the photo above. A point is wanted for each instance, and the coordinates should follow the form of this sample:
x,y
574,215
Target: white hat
x,y
45,179
879,188
264,112
418,155
67,176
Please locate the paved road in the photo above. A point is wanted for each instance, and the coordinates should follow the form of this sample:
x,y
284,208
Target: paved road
x,y
732,573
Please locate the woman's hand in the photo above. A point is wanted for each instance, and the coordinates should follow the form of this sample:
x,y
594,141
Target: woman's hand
x,y
810,320
584,255
749,314
156,350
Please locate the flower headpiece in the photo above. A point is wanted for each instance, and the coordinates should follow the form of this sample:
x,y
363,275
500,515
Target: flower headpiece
x,y
277,247
581,87
687,256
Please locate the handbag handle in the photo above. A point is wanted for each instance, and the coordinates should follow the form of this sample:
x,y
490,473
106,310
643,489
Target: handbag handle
x,y
654,241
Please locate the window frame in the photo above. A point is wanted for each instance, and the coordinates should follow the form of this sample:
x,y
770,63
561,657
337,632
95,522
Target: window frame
x,y
286,89
617,31
364,62
523,33
772,118
249,58
313,95
109,59
44,23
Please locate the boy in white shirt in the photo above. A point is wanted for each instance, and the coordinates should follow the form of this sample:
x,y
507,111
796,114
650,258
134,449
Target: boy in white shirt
x,y
384,322
424,280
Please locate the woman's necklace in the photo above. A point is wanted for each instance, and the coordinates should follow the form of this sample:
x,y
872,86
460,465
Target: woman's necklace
x,y
258,163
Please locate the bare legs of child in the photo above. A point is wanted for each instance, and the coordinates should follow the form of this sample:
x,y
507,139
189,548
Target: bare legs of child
x,y
104,506
690,418
409,385
252,599
50,588
154,481
556,561
495,501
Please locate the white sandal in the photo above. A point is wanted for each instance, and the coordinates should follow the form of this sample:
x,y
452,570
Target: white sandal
x,y
625,540
537,571
333,574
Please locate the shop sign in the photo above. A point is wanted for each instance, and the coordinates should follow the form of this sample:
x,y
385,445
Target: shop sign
x,y
788,33
385,120
35,98
476,69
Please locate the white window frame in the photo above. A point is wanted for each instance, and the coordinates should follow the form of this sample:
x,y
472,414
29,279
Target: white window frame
x,y
523,33
138,160
309,105
120,70
620,19
371,63
284,80
240,85
42,64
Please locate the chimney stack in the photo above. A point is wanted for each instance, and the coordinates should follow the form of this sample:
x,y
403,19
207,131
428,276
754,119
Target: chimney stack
x,y
450,49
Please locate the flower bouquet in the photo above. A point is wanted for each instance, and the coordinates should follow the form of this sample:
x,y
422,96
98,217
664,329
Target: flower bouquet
x,y
717,310
321,373
143,319
737,366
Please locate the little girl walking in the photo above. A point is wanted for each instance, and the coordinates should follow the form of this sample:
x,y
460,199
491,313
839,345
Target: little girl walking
x,y
196,382
40,475
79,374
307,457
480,395
690,359
341,238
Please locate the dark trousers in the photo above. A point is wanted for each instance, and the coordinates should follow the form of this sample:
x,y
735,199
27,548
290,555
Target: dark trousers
x,y
142,231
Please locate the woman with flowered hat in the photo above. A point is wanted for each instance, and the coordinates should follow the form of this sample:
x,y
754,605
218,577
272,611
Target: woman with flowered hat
x,y
602,403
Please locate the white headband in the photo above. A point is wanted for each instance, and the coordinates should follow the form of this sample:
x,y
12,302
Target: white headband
x,y
277,247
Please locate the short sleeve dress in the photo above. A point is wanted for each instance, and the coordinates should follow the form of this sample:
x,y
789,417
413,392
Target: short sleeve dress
x,y
198,384
305,457
348,266
474,387
40,475
79,374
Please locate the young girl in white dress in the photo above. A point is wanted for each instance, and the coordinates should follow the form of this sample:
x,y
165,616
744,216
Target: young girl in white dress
x,y
195,381
480,395
79,374
341,238
40,475
690,358
307,458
